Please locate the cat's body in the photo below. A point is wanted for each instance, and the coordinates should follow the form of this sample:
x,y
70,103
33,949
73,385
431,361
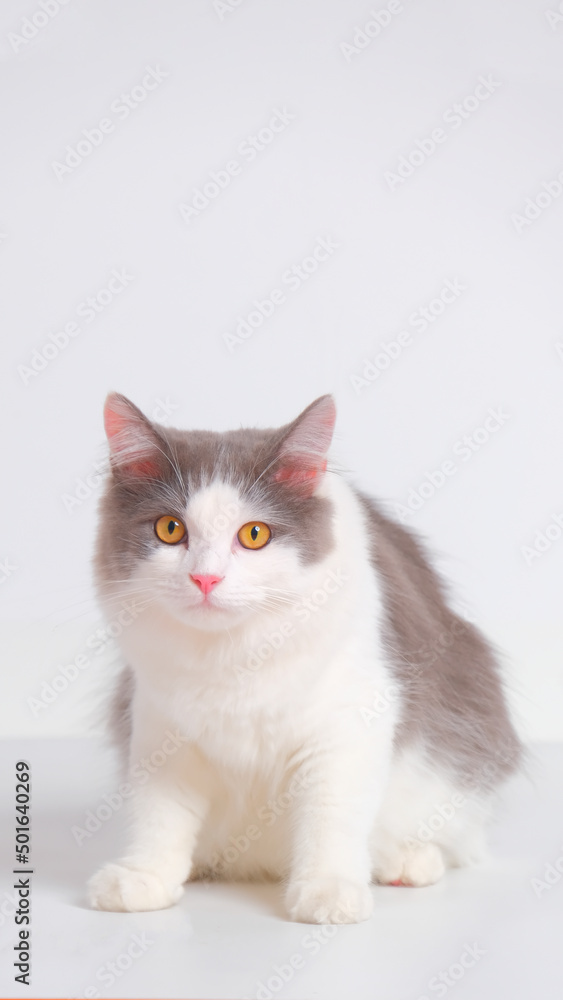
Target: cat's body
x,y
311,710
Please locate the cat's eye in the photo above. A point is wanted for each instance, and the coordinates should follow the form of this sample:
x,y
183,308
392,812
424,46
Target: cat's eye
x,y
169,529
254,535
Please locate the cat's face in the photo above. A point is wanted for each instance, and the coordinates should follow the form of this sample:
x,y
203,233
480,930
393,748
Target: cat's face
x,y
215,527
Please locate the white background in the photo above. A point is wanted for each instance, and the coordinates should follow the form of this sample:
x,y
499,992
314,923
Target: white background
x,y
163,337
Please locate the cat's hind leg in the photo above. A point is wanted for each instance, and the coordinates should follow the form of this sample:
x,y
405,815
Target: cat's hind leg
x,y
426,824
409,864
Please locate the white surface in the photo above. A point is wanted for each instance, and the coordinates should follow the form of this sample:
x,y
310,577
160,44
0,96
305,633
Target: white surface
x,y
223,940
500,343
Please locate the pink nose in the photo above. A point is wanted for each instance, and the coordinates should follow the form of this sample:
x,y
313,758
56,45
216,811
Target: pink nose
x,y
205,582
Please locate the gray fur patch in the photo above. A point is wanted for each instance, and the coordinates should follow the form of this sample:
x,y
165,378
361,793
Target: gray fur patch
x,y
454,705
120,722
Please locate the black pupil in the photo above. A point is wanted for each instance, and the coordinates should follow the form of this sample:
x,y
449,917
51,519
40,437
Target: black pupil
x,y
171,527
254,532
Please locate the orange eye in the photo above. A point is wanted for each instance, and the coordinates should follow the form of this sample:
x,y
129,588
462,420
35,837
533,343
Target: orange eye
x,y
254,535
169,529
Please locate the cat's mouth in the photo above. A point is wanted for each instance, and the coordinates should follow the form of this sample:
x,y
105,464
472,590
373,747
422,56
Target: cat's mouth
x,y
208,604
206,601
212,614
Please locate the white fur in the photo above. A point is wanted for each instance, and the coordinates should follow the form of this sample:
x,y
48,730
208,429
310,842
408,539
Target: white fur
x,y
280,767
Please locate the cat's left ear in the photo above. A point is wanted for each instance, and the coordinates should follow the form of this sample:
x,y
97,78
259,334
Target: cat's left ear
x,y
134,444
301,460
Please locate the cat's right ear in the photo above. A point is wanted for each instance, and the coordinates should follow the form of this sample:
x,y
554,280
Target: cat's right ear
x,y
135,447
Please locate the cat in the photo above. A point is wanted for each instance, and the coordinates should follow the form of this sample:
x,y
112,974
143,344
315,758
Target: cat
x,y
301,703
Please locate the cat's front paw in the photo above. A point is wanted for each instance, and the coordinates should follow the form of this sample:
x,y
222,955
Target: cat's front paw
x,y
116,887
329,900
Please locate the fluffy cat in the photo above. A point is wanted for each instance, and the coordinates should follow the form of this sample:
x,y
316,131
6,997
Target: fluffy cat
x,y
301,703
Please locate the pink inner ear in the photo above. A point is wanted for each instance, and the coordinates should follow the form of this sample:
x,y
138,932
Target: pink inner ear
x,y
129,446
114,422
144,470
303,472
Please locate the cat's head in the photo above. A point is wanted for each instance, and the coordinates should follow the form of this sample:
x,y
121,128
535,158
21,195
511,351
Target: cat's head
x,y
214,526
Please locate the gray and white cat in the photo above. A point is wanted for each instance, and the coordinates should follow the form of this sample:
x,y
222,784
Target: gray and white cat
x,y
301,703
